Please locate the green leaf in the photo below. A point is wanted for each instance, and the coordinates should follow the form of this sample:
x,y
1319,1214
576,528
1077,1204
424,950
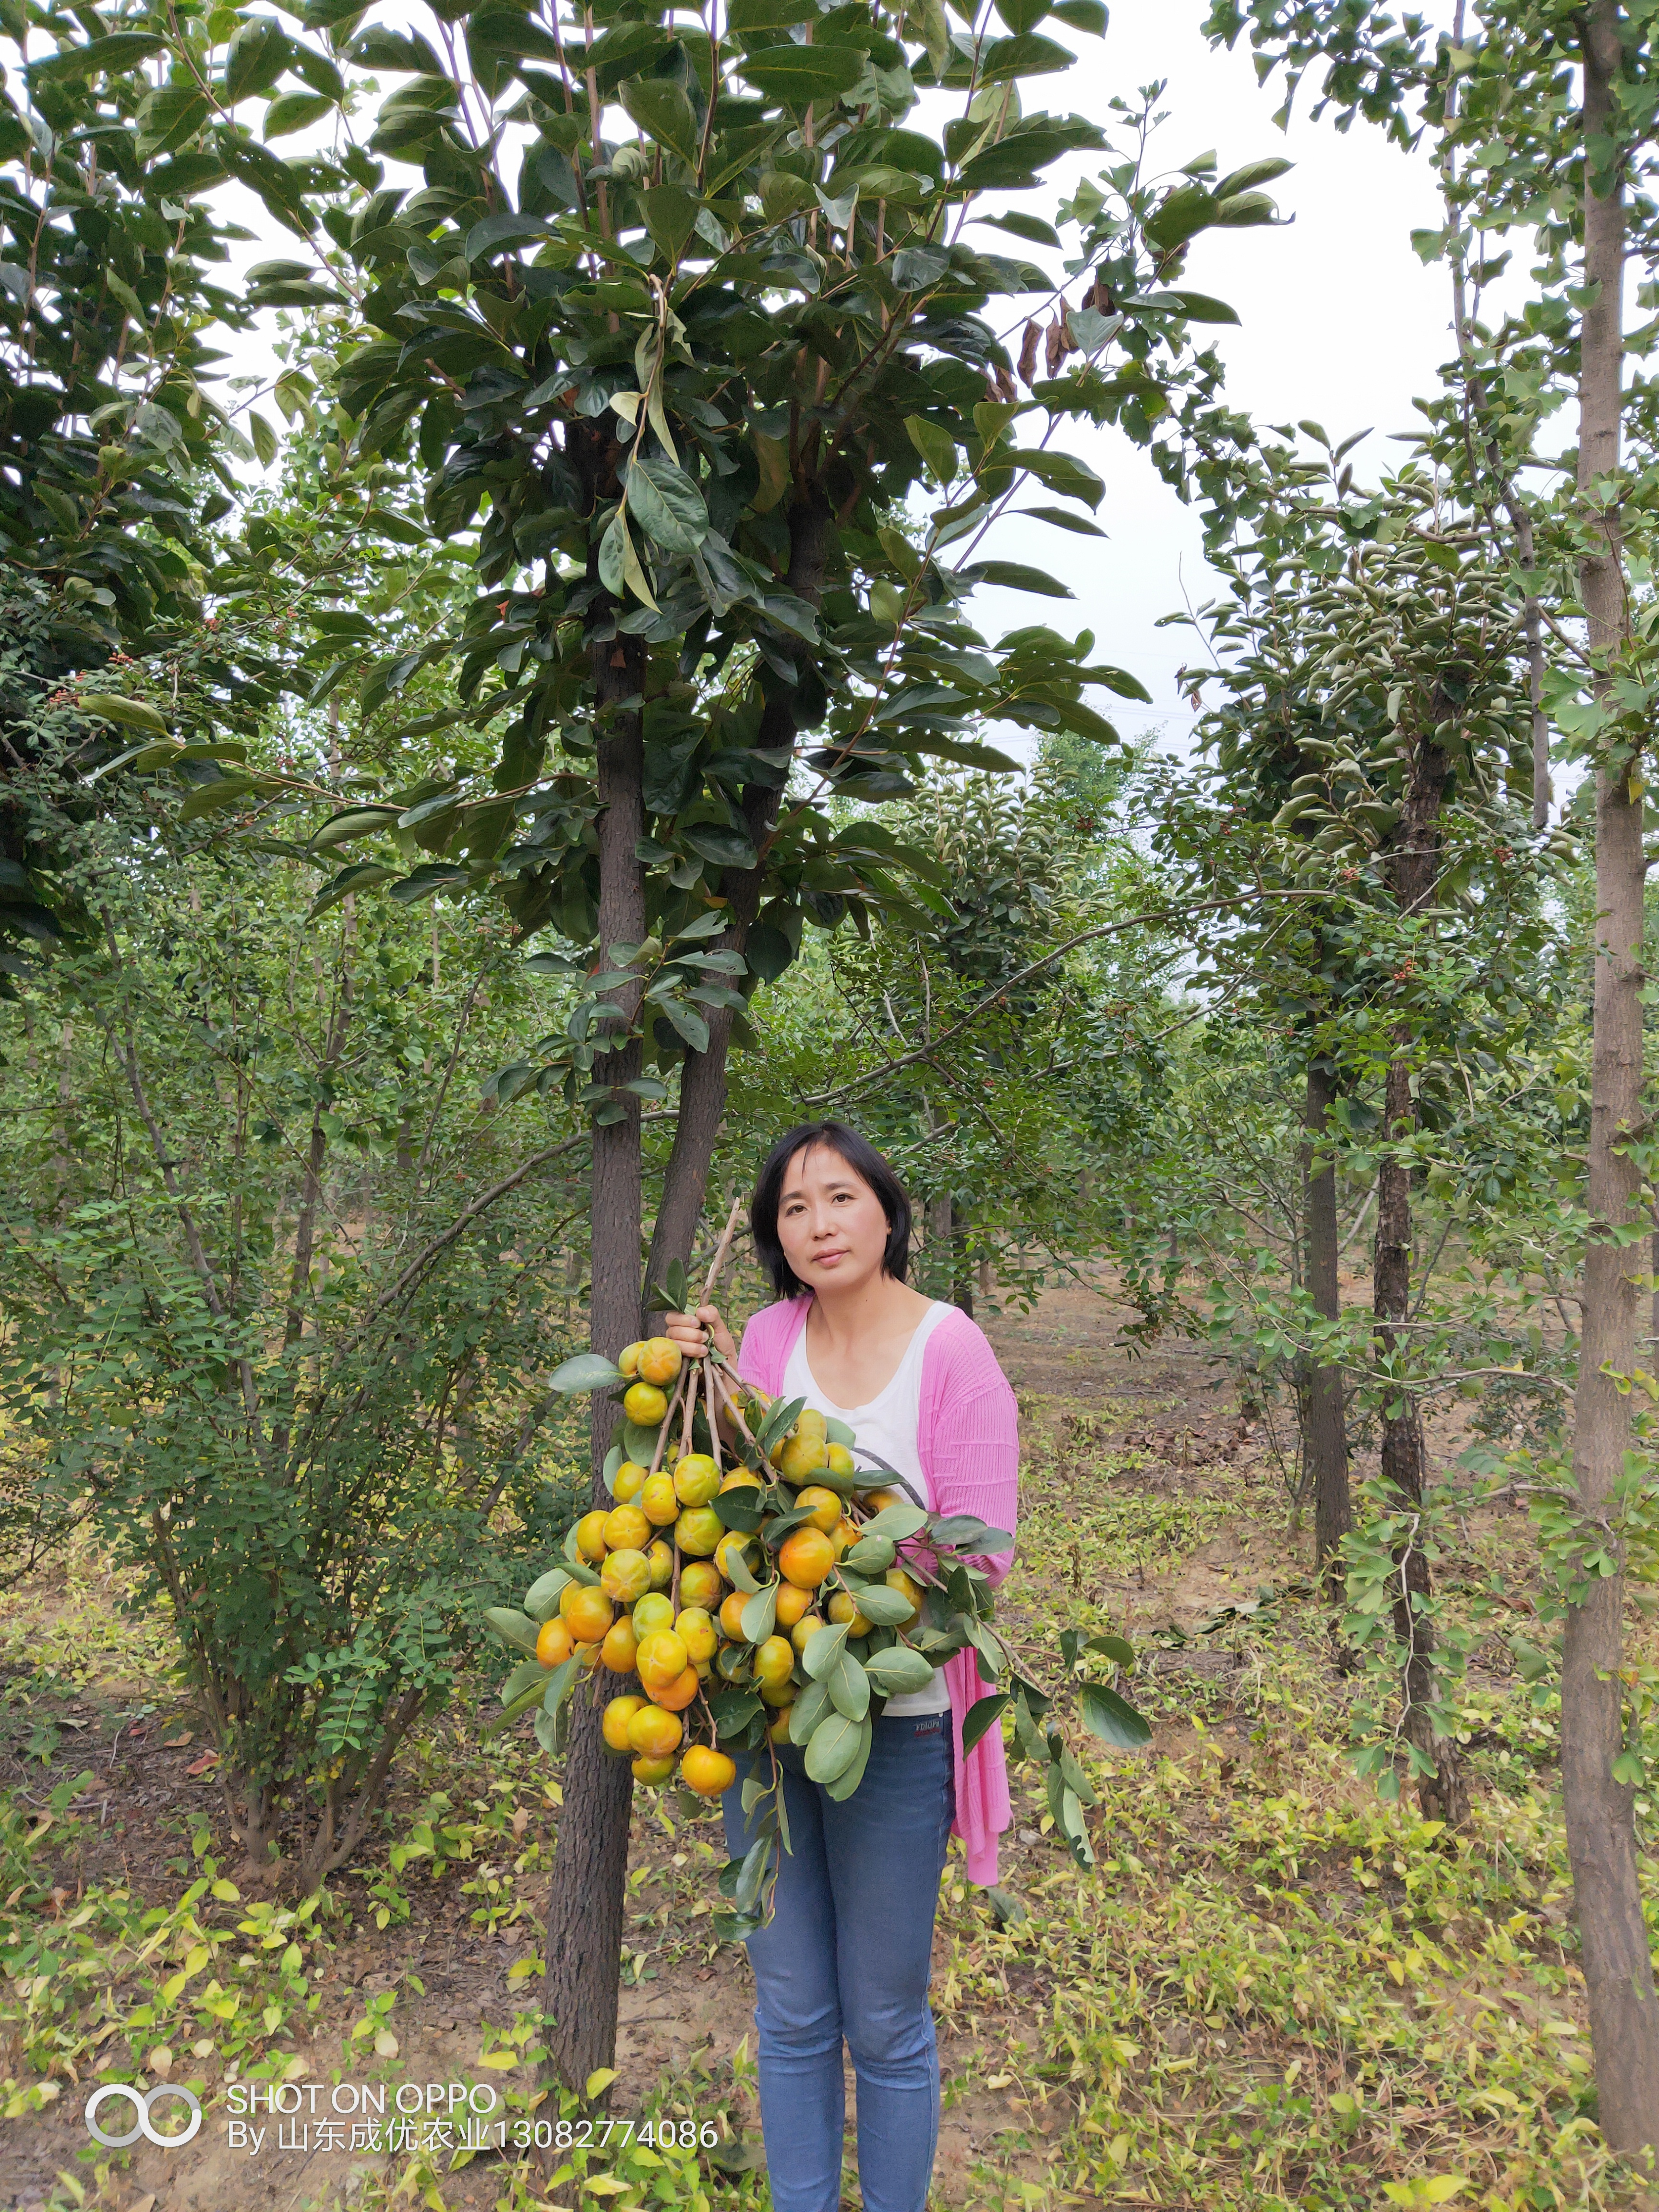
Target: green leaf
x,y
849,1687
1014,576
667,503
541,1599
686,1021
808,1709
760,1615
169,116
134,713
871,1555
494,231
715,841
853,1773
1244,211
662,110
671,216
797,75
587,1370
355,822
935,447
317,70
294,110
513,1627
560,1683
1078,525
639,1443
1061,473
424,882
1115,1648
1032,228
734,151
209,799
366,876
1253,173
898,1671
109,56
1200,308
258,55
746,17
832,1745
896,1522
885,1608
823,1649
966,1531
527,1675
1112,1718
1026,55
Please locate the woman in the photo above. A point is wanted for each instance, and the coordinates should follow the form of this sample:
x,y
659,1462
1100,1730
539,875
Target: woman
x,y
847,1952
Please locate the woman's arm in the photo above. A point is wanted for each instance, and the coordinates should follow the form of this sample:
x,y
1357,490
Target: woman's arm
x,y
973,1461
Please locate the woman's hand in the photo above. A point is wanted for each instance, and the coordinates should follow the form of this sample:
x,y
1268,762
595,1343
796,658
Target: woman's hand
x,y
693,1332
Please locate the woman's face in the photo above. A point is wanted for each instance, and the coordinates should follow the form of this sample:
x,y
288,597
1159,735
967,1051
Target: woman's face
x,y
830,1223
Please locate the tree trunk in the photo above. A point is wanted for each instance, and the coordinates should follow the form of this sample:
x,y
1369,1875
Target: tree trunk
x,y
1600,1834
936,1219
1414,861
1325,1439
588,1885
961,1272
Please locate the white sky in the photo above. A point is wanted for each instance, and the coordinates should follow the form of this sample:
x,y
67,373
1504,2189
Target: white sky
x,y
1340,321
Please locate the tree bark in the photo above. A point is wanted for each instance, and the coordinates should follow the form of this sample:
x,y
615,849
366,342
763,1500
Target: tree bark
x,y
1414,862
1324,1438
937,1252
1599,1820
588,1885
961,1272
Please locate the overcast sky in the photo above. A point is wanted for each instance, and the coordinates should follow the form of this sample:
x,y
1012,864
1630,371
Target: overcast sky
x,y
1340,321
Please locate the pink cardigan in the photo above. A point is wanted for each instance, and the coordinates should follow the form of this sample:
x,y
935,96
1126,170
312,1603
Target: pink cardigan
x,y
967,1440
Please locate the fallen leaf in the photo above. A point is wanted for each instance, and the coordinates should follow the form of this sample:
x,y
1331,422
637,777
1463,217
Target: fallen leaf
x,y
201,1766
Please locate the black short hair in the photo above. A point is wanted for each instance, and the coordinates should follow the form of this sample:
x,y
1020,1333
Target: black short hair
x,y
865,1162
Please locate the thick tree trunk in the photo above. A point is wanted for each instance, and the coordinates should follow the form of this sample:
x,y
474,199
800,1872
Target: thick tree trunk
x,y
1325,1440
1412,865
702,1079
587,1887
1600,1835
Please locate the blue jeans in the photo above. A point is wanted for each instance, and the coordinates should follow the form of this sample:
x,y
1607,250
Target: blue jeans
x,y
847,1954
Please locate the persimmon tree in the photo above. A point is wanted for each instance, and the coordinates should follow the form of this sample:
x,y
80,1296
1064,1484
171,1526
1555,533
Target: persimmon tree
x,y
685,321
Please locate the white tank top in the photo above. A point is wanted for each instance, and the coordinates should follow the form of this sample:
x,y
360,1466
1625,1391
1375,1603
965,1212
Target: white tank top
x,y
887,1426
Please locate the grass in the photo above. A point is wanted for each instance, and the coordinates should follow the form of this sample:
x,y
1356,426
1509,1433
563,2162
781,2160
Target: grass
x,y
1272,1992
